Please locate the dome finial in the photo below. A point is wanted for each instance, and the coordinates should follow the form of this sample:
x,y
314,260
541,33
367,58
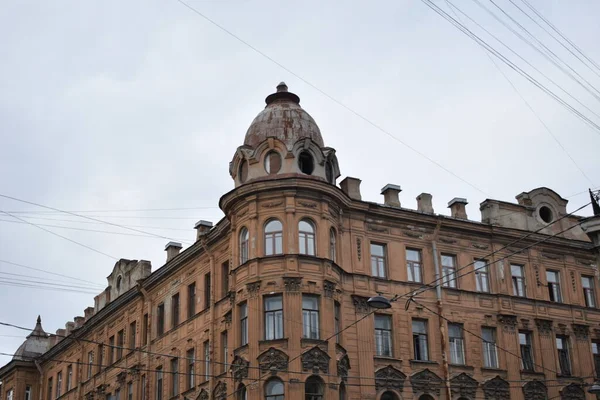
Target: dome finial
x,y
39,319
282,87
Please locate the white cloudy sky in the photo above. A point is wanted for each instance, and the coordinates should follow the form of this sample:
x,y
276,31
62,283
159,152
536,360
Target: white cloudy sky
x,y
112,105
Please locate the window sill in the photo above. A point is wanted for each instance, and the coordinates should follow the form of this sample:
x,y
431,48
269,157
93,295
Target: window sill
x,y
240,349
488,369
273,341
387,359
427,362
530,372
462,367
314,342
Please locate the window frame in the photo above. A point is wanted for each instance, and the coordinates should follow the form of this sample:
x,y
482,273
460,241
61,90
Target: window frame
x,y
519,282
565,363
308,317
333,245
457,345
412,265
589,293
224,279
225,348
158,394
527,357
337,321
207,290
276,317
274,396
206,350
132,335
59,384
482,276
191,299
243,312
383,336
90,364
191,368
319,385
420,340
274,237
490,349
160,319
378,262
69,377
596,357
307,239
244,245
554,288
175,307
449,277
174,372
120,344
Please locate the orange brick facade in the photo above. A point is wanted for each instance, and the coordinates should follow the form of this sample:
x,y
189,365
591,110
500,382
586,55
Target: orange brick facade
x,y
210,348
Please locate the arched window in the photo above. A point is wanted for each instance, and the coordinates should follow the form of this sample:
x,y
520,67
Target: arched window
x,y
332,244
244,236
389,396
342,390
243,171
273,237
306,237
306,162
425,397
272,162
119,279
274,390
313,388
241,392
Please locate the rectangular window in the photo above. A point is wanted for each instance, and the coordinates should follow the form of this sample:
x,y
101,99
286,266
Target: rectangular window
x,y
191,368
224,279
120,343
554,286
207,290
596,354
449,271
160,319
159,384
175,310
383,335
28,392
90,364
564,361
378,260
111,350
310,316
490,356
58,384
337,321
174,377
9,394
518,280
457,344
526,347
482,276
224,346
273,317
143,387
130,391
69,377
243,324
49,388
132,334
206,360
191,305
100,357
117,394
413,265
588,291
145,330
420,340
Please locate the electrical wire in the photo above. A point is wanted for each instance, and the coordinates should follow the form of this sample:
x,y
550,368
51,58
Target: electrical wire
x,y
117,210
50,272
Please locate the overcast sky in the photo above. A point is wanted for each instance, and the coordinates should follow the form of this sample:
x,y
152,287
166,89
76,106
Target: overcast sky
x,y
112,105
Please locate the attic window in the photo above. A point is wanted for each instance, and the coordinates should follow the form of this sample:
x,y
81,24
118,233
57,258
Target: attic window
x,y
306,163
546,214
329,173
243,171
272,162
119,279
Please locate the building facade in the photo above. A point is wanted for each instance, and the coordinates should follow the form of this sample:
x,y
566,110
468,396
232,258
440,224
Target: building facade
x,y
271,302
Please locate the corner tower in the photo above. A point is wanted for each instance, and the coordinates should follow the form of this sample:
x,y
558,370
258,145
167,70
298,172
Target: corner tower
x,y
283,141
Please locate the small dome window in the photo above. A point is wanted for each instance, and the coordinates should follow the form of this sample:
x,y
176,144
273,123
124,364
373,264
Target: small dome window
x,y
243,172
329,173
306,162
272,162
546,214
119,279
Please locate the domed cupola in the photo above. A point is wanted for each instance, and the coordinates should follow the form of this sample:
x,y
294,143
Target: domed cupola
x,y
283,141
36,344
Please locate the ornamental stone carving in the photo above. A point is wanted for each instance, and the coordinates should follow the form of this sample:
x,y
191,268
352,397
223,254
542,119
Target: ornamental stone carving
x,y
535,390
572,392
328,288
496,389
292,284
240,368
315,360
426,382
343,366
89,396
509,322
203,395
389,378
360,304
253,288
273,360
582,332
220,392
544,326
463,385
231,295
359,248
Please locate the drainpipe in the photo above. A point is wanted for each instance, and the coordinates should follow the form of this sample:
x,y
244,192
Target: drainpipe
x,y
440,310
211,332
39,368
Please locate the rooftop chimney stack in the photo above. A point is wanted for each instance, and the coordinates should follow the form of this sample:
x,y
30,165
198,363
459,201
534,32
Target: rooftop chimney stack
x,y
88,313
424,203
457,207
79,321
60,335
202,228
391,195
172,249
351,186
69,326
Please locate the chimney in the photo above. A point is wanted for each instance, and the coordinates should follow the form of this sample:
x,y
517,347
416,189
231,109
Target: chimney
x,y
79,321
172,249
351,186
390,195
69,326
424,203
202,228
60,335
88,313
457,207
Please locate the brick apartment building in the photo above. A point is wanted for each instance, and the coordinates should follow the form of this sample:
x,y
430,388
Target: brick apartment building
x,y
271,302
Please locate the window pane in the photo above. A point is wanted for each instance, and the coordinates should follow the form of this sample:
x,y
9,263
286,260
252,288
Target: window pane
x,y
419,326
383,322
273,226
306,226
413,255
551,276
273,303
516,270
310,302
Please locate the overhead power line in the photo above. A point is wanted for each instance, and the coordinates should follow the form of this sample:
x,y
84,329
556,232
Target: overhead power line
x,y
49,272
117,210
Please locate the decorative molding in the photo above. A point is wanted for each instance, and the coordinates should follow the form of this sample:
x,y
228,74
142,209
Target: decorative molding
x,y
227,317
525,323
573,281
447,240
551,256
273,361
121,378
272,204
328,288
412,234
307,204
220,391
242,212
253,288
360,303
480,246
292,284
89,395
343,366
375,228
203,395
463,385
572,392
240,368
535,390
315,360
582,332
508,322
582,261
389,378
496,389
426,382
359,248
231,295
544,326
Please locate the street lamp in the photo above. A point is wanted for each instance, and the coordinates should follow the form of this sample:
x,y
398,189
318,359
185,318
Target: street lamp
x,y
381,302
